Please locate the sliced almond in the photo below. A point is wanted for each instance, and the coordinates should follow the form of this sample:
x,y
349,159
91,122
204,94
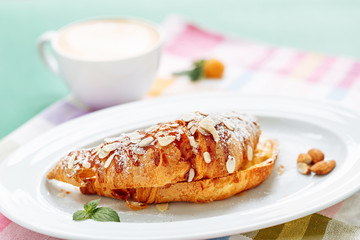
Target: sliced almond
x,y
108,161
230,164
250,153
191,174
152,128
202,113
61,194
164,141
97,150
303,168
158,134
193,143
70,164
207,157
193,130
323,167
103,154
228,124
135,137
86,164
174,125
136,205
110,147
203,132
208,125
162,207
190,125
281,169
111,140
188,117
146,141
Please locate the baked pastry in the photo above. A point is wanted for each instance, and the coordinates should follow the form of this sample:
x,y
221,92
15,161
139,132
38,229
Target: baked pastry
x,y
198,158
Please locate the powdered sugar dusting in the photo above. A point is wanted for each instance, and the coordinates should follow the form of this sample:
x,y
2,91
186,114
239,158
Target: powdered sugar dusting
x,y
126,150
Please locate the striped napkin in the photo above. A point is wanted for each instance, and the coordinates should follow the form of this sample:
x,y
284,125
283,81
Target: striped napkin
x,y
251,67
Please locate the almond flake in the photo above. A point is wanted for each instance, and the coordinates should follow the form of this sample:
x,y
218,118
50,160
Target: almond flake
x,y
136,205
188,117
135,137
162,207
190,125
152,128
164,141
110,147
209,125
61,194
174,125
230,164
207,157
249,153
191,174
103,154
108,161
202,113
159,134
86,164
111,140
71,161
146,141
193,130
193,143
97,149
203,132
228,124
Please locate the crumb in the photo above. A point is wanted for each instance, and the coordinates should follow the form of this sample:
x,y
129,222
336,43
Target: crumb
x,y
162,207
281,169
61,194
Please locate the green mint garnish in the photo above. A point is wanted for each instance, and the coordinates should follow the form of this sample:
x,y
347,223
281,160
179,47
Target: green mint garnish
x,y
105,214
102,214
90,206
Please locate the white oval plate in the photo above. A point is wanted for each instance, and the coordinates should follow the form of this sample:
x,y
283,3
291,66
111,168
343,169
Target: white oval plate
x,y
27,198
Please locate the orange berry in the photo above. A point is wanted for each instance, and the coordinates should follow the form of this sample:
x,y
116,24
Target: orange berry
x,y
213,68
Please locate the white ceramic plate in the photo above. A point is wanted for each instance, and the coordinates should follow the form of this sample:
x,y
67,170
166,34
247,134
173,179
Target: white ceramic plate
x,y
27,198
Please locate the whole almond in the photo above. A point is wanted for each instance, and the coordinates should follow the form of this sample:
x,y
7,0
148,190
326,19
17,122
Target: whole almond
x,y
323,167
316,155
304,158
303,168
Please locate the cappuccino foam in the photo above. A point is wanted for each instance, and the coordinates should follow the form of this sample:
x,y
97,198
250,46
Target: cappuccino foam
x,y
107,39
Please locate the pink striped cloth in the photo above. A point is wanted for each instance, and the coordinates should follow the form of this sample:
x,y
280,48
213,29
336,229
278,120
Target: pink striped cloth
x,y
251,67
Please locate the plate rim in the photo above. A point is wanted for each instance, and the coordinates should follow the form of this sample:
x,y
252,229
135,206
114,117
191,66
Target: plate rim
x,y
157,100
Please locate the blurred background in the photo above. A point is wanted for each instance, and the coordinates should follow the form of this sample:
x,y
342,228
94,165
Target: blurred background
x,y
27,87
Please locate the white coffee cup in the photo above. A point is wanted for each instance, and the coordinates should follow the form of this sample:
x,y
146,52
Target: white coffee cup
x,y
104,61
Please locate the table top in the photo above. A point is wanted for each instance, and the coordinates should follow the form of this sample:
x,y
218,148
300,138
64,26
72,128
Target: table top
x,y
27,86
299,49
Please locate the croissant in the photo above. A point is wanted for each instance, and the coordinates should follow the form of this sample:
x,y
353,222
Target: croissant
x,y
197,158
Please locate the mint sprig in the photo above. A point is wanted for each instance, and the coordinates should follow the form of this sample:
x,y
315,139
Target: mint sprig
x,y
102,214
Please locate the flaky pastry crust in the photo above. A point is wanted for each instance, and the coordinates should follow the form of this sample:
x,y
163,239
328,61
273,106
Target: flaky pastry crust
x,y
198,157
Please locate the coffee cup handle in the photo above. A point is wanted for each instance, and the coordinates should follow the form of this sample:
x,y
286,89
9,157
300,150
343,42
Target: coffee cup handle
x,y
46,56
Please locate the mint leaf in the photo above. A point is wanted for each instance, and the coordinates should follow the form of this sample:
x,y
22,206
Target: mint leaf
x,y
80,215
90,206
104,214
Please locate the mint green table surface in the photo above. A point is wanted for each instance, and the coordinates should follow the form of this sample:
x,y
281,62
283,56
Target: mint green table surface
x,y
27,87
